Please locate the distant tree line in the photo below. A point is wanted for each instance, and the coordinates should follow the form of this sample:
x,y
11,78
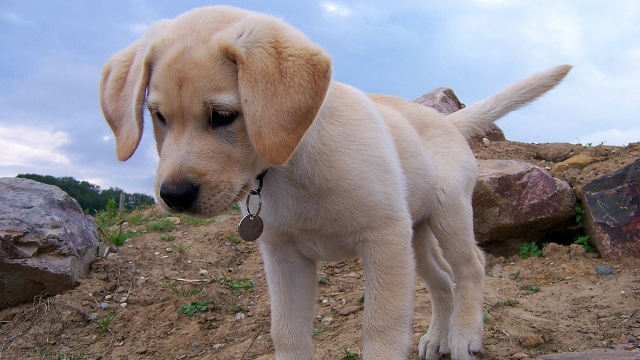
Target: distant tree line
x,y
88,195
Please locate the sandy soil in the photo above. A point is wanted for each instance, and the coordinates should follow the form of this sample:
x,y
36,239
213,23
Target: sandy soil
x,y
552,304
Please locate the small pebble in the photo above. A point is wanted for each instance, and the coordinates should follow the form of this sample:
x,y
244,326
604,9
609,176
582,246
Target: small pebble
x,y
603,270
123,305
168,249
123,299
486,141
349,310
104,305
203,272
325,301
251,303
327,320
239,316
108,297
531,340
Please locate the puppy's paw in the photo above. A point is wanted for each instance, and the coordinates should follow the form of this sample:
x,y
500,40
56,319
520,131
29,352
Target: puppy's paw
x,y
432,347
464,342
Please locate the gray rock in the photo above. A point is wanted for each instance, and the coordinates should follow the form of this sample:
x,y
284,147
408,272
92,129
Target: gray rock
x,y
46,241
612,218
516,200
441,99
603,270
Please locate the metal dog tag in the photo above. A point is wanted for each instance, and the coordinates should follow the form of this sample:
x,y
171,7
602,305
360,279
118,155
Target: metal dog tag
x,y
250,227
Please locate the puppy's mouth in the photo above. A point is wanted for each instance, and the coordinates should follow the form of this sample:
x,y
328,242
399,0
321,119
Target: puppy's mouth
x,y
194,199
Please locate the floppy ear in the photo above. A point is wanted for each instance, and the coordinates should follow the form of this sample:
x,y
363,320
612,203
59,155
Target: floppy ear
x,y
123,87
283,78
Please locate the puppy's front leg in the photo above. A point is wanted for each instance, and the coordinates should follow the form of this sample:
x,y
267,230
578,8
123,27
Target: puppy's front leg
x,y
388,310
291,278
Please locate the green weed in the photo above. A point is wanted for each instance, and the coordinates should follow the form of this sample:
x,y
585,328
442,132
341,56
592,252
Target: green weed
x,y
348,355
185,292
193,307
45,351
193,221
531,288
118,237
317,330
180,249
233,239
234,209
161,225
166,237
234,285
135,220
103,323
531,249
322,279
506,303
580,213
584,241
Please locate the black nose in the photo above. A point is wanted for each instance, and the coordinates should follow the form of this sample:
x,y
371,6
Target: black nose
x,y
179,196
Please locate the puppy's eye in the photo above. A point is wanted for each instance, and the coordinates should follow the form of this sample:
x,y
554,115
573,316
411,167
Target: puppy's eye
x,y
220,118
161,118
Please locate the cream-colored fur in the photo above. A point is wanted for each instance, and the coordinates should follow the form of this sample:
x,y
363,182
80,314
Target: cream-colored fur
x,y
352,175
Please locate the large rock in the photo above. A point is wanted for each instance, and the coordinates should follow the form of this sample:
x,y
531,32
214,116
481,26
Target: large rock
x,y
445,101
516,201
612,218
46,241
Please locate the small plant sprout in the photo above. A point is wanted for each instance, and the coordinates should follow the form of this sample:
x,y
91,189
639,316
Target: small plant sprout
x,y
322,279
185,292
166,237
348,355
234,285
584,241
233,239
317,330
530,249
104,322
193,307
180,249
531,288
580,213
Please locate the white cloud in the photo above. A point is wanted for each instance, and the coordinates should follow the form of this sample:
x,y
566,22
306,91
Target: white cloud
x,y
558,33
138,28
336,9
14,18
27,146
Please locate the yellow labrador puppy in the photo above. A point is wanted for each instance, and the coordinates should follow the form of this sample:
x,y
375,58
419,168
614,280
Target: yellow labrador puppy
x,y
233,93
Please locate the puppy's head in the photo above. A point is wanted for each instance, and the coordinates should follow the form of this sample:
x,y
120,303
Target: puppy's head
x,y
230,93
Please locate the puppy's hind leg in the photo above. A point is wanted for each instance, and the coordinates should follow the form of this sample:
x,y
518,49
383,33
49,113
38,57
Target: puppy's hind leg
x,y
291,278
436,274
453,226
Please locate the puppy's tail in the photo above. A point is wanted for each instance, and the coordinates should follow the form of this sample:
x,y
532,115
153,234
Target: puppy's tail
x,y
479,116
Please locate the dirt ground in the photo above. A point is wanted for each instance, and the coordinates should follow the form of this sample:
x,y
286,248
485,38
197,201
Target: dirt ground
x,y
128,307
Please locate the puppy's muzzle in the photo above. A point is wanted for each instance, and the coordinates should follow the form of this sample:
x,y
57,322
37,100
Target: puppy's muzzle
x,y
180,195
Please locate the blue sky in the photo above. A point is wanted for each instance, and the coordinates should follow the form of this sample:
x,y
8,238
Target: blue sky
x,y
52,52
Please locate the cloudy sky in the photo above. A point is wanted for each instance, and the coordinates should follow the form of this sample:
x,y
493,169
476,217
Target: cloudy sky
x,y
52,52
